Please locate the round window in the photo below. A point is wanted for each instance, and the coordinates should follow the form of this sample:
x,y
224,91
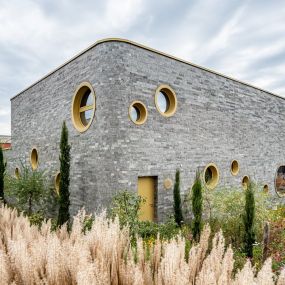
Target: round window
x,y
165,100
83,107
245,182
265,188
56,182
234,167
34,159
211,176
138,112
280,181
17,173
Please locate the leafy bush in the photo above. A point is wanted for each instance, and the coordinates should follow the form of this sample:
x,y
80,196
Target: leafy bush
x,y
36,219
29,192
223,209
150,230
126,205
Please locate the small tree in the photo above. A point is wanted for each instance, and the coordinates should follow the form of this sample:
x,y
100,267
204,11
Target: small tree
x,y
248,220
2,173
64,202
177,200
197,206
28,191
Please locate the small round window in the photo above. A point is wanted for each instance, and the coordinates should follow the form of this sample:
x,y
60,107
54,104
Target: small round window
x,y
138,112
234,167
280,181
165,100
17,172
34,159
265,188
56,182
245,182
211,176
83,107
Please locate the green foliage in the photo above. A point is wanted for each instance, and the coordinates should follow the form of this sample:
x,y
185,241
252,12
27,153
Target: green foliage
x,y
248,220
29,192
177,200
2,172
223,209
277,238
149,230
197,207
64,202
126,205
87,223
36,219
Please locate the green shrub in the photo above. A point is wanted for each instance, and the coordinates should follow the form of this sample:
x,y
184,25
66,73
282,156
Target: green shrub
x,y
87,223
223,209
29,192
150,230
36,219
126,205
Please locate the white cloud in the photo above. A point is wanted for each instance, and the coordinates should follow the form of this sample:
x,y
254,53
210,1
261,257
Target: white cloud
x,y
5,128
243,39
4,112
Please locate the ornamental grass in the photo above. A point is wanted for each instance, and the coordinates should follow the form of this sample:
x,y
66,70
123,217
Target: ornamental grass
x,y
105,255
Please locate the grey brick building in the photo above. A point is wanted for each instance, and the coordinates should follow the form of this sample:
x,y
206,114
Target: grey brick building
x,y
135,115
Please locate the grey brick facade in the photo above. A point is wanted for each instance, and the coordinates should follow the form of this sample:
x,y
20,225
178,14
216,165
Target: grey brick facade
x,y
218,119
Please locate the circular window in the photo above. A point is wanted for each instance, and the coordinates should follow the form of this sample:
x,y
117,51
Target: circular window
x,y
280,181
56,182
138,112
245,182
34,159
83,107
265,188
211,176
165,100
234,167
17,172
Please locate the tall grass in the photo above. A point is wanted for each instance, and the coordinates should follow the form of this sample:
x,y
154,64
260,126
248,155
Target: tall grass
x,y
103,255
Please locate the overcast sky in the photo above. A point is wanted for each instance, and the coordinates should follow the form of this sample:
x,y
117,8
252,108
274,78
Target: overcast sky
x,y
242,39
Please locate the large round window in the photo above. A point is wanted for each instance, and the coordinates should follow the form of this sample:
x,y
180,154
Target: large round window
x,y
165,100
138,112
83,106
211,176
280,181
34,159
